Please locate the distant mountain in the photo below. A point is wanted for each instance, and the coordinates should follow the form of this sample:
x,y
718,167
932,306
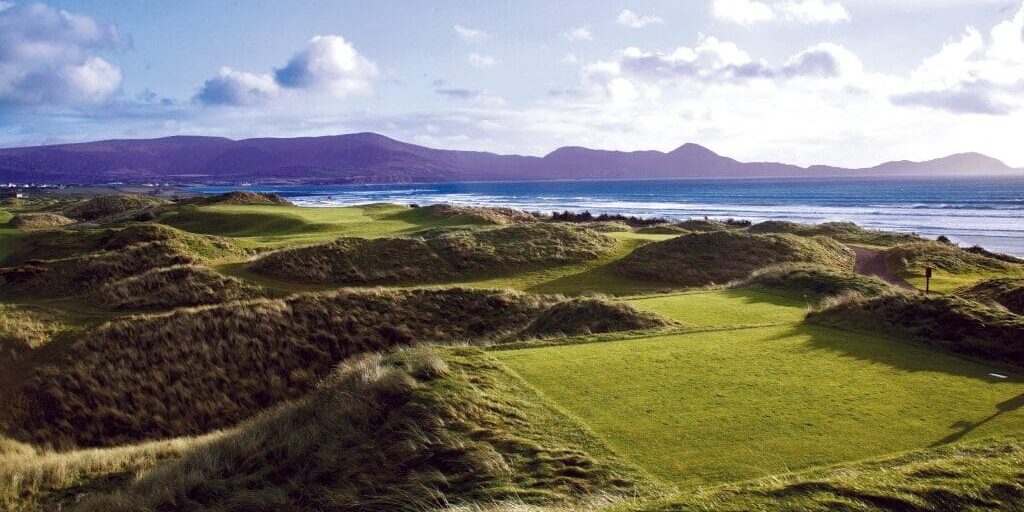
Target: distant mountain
x,y
373,158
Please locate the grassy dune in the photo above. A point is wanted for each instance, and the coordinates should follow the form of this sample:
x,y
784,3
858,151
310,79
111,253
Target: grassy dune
x,y
414,430
954,267
815,282
1005,292
192,371
722,256
846,232
436,255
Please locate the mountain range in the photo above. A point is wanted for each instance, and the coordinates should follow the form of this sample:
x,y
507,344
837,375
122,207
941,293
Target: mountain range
x,y
374,158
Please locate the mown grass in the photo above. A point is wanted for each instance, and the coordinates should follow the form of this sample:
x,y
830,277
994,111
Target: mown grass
x,y
711,407
733,307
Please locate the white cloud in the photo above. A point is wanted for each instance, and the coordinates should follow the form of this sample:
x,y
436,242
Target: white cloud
x,y
50,56
628,18
578,34
327,65
236,88
814,11
743,12
570,58
481,61
971,75
470,35
331,64
748,12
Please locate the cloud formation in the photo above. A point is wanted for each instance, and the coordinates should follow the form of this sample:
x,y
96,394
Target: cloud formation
x,y
446,89
578,34
470,35
628,18
327,64
51,57
972,75
808,12
481,61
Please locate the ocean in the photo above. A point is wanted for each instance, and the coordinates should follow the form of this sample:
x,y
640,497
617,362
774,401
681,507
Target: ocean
x,y
977,211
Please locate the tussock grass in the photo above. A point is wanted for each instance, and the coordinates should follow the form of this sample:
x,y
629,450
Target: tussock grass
x,y
192,371
32,479
846,232
39,221
415,430
814,281
719,257
590,316
915,256
1006,292
479,215
943,322
972,477
171,287
23,328
107,206
240,197
74,276
435,255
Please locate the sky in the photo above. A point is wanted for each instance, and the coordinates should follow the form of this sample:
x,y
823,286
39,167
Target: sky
x,y
840,82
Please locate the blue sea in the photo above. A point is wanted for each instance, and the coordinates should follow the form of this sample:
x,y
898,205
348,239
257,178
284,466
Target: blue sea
x,y
977,211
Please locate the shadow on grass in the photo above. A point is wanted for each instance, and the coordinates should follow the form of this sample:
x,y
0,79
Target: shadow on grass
x,y
966,426
903,355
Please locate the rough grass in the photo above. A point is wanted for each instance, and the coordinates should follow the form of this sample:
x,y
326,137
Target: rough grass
x,y
435,255
60,244
953,267
100,207
479,215
415,430
78,275
815,281
719,257
1006,292
240,197
171,287
589,316
972,478
40,221
24,328
192,371
943,322
846,232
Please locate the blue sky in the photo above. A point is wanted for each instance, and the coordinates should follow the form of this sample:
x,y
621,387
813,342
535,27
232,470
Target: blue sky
x,y
847,82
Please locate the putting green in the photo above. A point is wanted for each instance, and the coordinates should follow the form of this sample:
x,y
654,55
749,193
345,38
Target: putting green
x,y
728,405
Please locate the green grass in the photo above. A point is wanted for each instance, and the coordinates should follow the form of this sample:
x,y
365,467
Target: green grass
x,y
725,307
285,226
9,236
711,407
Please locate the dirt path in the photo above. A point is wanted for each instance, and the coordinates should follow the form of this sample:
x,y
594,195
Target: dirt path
x,y
872,263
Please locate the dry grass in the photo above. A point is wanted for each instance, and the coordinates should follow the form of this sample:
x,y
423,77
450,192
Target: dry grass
x,y
107,206
24,328
29,221
192,371
240,197
172,287
436,255
1006,292
846,232
480,215
814,281
913,257
719,257
415,430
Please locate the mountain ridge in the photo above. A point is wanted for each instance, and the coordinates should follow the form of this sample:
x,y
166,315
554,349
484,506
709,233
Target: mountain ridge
x,y
368,157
